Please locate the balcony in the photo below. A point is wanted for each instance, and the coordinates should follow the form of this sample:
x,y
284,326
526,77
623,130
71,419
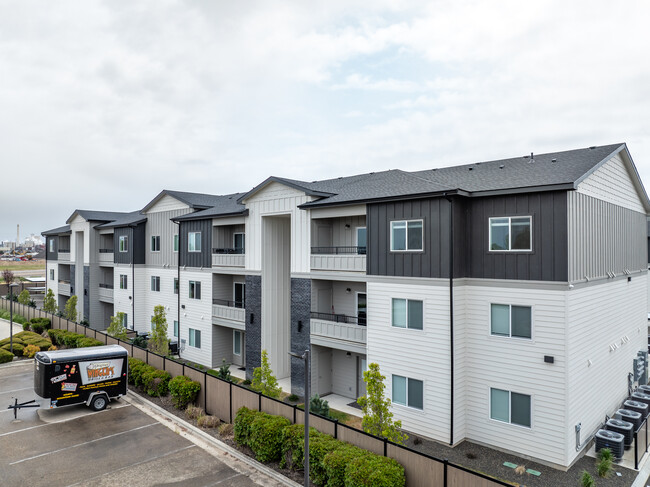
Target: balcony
x,y
228,257
106,256
346,258
106,292
64,287
228,313
63,254
339,331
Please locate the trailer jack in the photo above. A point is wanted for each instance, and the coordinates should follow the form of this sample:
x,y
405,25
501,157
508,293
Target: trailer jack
x,y
16,406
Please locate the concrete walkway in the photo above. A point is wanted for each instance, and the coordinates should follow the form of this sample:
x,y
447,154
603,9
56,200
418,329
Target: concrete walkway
x,y
4,328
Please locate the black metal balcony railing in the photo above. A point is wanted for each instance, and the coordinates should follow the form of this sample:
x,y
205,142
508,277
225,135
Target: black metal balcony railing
x,y
352,320
64,251
230,304
339,250
64,281
106,251
106,286
236,250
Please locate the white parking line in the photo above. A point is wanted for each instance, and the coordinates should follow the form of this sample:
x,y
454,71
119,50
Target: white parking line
x,y
112,472
81,444
61,420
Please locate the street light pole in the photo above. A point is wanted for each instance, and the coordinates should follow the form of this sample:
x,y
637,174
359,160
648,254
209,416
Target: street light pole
x,y
305,357
11,316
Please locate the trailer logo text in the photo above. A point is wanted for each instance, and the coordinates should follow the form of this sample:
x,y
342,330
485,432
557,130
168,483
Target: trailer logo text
x,y
100,370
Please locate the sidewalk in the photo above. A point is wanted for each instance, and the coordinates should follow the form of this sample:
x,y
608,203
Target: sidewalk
x,y
4,328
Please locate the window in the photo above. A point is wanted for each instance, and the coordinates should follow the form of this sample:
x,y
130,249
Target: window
x,y
195,289
407,313
240,295
124,243
408,392
362,241
510,233
511,321
175,328
123,281
510,407
51,244
195,338
155,283
239,242
362,309
406,235
155,243
194,242
175,285
125,320
51,274
175,243
236,342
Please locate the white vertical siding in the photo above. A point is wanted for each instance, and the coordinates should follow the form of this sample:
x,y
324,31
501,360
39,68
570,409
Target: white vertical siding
x,y
613,182
121,301
159,224
418,354
599,316
52,284
197,315
167,203
516,365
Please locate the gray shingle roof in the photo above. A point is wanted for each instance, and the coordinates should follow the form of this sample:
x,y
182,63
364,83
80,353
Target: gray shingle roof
x,y
124,220
57,231
197,201
222,206
93,215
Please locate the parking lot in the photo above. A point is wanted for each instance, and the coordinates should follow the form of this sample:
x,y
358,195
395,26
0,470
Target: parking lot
x,y
118,446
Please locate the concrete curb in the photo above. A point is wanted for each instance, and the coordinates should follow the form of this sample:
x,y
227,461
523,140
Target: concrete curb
x,y
154,410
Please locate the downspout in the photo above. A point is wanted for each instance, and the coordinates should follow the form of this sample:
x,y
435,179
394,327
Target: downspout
x,y
178,306
133,275
451,316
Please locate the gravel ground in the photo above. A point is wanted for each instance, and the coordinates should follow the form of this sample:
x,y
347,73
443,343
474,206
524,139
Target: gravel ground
x,y
467,454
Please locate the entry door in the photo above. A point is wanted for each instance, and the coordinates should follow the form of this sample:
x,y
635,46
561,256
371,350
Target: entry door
x,y
237,347
361,309
239,293
362,367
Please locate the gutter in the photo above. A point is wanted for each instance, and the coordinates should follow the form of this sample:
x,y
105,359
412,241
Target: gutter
x,y
451,317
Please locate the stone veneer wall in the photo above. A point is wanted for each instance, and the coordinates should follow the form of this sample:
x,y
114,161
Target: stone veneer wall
x,y
253,330
300,331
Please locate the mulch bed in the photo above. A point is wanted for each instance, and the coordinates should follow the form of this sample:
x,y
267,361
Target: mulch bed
x,y
467,454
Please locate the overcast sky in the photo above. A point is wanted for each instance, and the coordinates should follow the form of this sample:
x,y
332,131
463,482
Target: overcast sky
x,y
104,104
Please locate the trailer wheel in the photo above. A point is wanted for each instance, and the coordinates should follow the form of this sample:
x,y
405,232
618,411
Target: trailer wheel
x,y
98,403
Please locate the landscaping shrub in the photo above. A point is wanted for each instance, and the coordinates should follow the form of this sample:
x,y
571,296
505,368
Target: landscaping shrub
x,y
266,436
319,447
5,356
134,369
193,412
242,425
156,382
37,327
46,322
226,429
6,341
319,406
208,421
4,314
183,390
142,371
18,348
88,342
31,350
336,462
293,445
26,326
139,341
375,471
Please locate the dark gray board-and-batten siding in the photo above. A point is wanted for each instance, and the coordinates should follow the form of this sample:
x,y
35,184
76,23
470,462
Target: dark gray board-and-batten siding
x,y
196,259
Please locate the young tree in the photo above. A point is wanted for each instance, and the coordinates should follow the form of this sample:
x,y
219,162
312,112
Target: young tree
x,y
263,379
7,276
70,311
116,328
23,297
377,418
49,303
158,342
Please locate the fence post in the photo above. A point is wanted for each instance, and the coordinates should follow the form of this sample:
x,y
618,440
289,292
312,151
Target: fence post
x,y
259,401
147,356
205,392
295,407
385,447
294,411
336,429
164,363
446,464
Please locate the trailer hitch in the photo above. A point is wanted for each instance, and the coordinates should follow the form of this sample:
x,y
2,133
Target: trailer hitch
x,y
16,406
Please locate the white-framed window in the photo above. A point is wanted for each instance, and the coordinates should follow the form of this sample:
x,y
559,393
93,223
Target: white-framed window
x,y
195,338
407,235
407,313
155,283
510,407
511,321
362,240
510,234
239,242
236,342
176,243
408,392
194,242
123,245
124,281
155,243
175,285
125,320
239,295
195,290
176,328
51,274
51,244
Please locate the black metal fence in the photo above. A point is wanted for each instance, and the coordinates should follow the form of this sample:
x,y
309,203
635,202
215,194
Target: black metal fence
x,y
340,250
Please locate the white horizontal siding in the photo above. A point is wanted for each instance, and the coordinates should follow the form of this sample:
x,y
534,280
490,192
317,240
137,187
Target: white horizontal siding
x,y
418,354
612,182
221,345
516,365
344,374
599,316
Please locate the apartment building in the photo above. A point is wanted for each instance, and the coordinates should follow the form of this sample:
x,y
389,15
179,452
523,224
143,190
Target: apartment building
x,y
505,301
